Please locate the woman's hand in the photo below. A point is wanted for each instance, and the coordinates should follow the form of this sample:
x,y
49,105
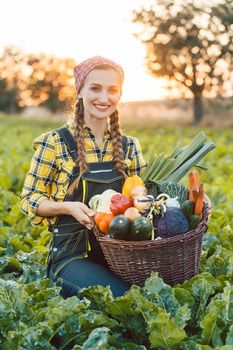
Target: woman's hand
x,y
81,213
78,210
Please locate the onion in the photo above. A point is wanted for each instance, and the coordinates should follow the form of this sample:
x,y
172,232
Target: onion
x,y
138,191
141,206
132,213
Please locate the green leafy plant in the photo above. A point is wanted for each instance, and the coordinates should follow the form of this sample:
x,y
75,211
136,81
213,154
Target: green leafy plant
x,y
197,315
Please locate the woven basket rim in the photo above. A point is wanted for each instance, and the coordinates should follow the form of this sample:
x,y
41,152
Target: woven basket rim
x,y
164,241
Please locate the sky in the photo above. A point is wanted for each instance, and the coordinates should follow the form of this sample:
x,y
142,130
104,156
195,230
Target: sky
x,y
81,29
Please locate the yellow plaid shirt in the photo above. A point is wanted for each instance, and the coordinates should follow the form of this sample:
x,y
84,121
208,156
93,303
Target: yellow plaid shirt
x,y
51,168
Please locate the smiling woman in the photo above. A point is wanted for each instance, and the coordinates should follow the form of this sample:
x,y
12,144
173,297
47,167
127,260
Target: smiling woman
x,y
100,95
85,157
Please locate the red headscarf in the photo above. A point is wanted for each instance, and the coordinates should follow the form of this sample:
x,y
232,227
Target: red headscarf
x,y
82,69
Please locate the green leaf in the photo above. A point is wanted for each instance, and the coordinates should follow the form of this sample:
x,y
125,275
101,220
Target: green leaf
x,y
93,319
97,339
182,316
10,264
164,334
210,242
98,295
201,288
211,333
193,345
13,305
102,339
218,318
161,294
229,338
227,237
27,338
220,263
132,312
171,188
184,296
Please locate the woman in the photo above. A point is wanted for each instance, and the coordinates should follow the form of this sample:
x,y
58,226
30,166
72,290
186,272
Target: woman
x,y
71,164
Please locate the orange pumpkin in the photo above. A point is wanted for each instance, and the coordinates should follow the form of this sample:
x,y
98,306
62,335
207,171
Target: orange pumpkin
x,y
130,183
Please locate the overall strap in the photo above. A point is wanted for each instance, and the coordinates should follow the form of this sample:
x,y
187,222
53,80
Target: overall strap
x,y
71,145
69,140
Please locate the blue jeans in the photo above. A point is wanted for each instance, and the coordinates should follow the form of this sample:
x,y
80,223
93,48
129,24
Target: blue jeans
x,y
85,272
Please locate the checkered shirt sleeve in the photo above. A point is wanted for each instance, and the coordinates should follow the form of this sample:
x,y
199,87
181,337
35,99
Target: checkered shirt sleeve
x,y
38,179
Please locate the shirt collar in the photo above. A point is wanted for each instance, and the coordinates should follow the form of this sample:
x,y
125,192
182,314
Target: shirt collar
x,y
87,129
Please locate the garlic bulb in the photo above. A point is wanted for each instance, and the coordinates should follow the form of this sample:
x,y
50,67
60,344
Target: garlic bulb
x,y
172,202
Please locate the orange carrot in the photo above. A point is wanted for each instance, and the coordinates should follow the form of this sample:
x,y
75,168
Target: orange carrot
x,y
200,201
195,195
192,194
193,185
194,177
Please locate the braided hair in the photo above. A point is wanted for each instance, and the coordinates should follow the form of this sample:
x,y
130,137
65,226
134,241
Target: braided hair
x,y
116,136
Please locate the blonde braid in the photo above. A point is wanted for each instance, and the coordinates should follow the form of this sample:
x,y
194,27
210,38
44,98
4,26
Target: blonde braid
x,y
79,137
118,158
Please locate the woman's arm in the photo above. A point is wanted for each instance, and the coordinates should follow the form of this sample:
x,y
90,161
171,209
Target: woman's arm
x,y
35,197
38,179
78,210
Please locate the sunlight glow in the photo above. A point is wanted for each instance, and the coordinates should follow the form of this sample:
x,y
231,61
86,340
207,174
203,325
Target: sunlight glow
x,y
80,29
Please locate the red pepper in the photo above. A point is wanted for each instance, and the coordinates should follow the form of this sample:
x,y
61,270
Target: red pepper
x,y
119,204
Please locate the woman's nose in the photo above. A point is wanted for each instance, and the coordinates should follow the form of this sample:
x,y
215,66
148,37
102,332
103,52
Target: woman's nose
x,y
104,96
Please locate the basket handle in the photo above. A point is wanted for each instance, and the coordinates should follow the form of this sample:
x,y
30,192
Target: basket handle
x,y
96,232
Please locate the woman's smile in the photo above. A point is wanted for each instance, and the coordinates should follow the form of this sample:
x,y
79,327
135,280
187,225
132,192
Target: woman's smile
x,y
102,108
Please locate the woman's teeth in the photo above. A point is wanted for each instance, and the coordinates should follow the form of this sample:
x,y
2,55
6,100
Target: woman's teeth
x,y
101,107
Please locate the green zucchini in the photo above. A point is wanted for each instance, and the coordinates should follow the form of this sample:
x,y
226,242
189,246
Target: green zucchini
x,y
140,229
119,227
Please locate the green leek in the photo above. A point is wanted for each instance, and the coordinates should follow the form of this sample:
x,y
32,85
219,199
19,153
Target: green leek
x,y
174,167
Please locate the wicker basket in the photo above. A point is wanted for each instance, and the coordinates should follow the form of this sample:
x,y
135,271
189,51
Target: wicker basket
x,y
176,259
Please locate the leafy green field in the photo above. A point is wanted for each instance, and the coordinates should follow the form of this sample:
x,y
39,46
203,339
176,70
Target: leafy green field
x,y
195,315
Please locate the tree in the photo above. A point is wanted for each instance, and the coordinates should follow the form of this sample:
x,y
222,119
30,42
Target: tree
x,y
190,44
11,65
32,80
50,81
9,98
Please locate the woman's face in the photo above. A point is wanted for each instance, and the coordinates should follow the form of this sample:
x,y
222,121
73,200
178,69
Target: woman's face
x,y
101,93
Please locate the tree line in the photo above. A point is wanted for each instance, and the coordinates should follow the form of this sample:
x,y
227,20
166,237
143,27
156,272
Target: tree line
x,y
189,43
30,79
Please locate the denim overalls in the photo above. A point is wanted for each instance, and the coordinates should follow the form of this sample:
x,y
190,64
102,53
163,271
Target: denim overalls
x,y
75,259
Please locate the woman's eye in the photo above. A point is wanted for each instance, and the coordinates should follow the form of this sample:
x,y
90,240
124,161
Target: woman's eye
x,y
113,91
